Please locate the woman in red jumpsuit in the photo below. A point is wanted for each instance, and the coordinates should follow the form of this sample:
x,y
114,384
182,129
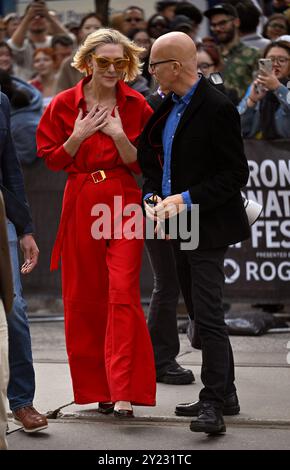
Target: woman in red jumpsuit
x,y
90,131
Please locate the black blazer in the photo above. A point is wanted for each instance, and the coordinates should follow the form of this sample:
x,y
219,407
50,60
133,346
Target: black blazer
x,y
207,159
11,178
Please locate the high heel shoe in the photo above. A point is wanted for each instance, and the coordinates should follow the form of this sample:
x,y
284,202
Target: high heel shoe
x,y
123,409
105,408
123,414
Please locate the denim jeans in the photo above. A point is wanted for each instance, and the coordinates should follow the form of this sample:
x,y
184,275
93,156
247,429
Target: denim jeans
x,y
21,386
4,376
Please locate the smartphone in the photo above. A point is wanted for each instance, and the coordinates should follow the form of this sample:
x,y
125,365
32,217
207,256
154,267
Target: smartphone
x,y
151,200
265,65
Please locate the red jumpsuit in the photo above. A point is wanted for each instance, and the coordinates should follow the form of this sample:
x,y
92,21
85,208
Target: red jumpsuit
x,y
108,344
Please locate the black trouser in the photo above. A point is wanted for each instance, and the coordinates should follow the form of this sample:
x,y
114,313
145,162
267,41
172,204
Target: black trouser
x,y
207,280
162,321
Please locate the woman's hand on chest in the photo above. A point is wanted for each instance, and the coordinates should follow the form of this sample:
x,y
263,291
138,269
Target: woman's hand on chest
x,y
113,125
94,121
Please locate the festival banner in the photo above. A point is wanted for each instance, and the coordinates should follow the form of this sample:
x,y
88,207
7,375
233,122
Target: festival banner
x,y
259,268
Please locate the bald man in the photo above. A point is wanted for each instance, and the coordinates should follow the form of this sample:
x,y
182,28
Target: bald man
x,y
191,153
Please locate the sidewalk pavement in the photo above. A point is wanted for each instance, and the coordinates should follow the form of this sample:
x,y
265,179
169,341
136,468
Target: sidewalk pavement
x,y
262,379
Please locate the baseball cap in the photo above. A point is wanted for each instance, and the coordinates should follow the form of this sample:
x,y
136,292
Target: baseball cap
x,y
165,3
10,16
224,8
181,23
285,37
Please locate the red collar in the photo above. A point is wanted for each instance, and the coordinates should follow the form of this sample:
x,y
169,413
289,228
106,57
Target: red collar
x,y
123,92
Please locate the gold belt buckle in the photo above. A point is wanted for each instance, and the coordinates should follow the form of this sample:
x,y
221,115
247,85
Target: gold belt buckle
x,y
98,176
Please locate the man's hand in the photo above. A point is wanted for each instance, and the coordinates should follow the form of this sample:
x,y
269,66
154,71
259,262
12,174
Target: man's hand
x,y
35,9
40,9
30,253
46,13
170,207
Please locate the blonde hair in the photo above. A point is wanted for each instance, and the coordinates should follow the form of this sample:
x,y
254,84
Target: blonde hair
x,y
109,36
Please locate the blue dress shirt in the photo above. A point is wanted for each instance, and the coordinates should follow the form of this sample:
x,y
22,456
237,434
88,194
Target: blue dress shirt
x,y
167,140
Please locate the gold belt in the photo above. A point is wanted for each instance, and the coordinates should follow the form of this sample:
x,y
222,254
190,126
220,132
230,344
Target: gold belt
x,y
98,176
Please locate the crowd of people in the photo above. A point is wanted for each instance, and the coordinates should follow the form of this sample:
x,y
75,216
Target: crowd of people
x,y
38,48
88,98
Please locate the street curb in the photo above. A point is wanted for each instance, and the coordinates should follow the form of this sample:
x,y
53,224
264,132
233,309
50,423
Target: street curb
x,y
147,419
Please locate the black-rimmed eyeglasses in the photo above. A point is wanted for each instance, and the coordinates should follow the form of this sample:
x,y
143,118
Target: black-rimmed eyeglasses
x,y
204,66
152,65
280,60
220,25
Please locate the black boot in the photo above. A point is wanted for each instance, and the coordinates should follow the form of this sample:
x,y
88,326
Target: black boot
x,y
231,407
209,420
176,375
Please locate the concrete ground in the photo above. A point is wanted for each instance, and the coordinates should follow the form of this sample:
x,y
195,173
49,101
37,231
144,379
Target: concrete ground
x,y
86,435
263,383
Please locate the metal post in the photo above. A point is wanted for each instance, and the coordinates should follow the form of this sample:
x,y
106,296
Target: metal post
x,y
102,9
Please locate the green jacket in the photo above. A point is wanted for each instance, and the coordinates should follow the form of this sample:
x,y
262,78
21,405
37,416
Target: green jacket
x,y
240,65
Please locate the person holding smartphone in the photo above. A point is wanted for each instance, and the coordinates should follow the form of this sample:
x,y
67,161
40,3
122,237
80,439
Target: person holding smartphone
x,y
36,30
265,109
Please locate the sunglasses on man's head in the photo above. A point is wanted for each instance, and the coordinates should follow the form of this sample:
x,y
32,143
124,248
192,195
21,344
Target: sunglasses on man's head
x,y
120,64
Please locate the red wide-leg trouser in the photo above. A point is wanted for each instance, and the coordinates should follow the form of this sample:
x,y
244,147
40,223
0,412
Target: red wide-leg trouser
x,y
108,344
